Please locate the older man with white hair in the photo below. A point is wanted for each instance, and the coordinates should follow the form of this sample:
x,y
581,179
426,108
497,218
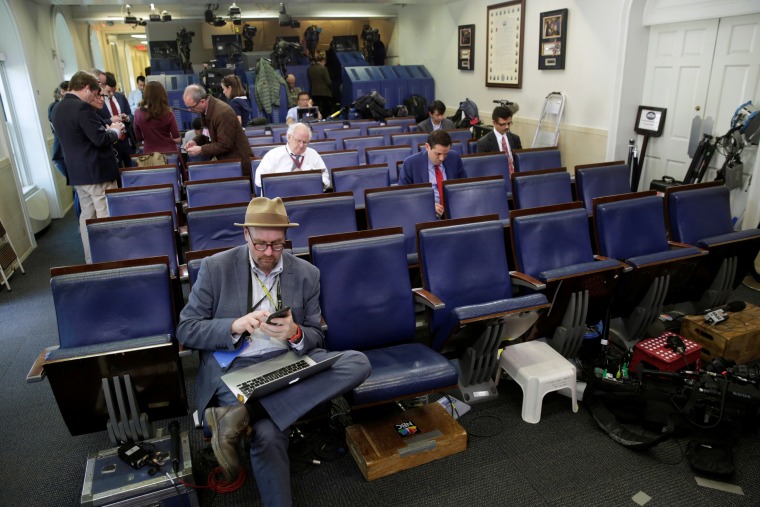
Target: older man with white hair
x,y
295,155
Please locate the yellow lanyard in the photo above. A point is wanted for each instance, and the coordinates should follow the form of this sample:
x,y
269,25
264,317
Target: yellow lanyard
x,y
268,294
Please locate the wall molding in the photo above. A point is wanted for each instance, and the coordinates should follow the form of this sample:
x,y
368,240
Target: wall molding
x,y
660,12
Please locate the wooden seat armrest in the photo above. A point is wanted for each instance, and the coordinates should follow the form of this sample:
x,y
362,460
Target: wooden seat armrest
x,y
184,276
676,244
322,324
626,267
428,299
182,351
37,371
182,230
524,280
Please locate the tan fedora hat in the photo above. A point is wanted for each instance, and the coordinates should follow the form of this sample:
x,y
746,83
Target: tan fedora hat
x,y
263,212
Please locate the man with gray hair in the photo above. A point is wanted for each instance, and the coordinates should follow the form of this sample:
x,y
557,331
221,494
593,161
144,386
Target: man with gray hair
x,y
226,138
295,155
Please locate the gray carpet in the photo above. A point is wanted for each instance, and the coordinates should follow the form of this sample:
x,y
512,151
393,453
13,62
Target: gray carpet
x,y
562,461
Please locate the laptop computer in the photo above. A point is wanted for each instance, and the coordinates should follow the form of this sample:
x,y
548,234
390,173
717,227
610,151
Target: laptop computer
x,y
307,114
260,379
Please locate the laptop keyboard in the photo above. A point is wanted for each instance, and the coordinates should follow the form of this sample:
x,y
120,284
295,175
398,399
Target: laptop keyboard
x,y
248,386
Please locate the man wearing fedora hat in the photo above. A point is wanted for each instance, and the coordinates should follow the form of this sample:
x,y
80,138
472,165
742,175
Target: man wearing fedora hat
x,y
225,319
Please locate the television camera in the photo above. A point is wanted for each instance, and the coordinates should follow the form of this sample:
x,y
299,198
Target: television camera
x,y
249,32
311,36
370,36
285,52
184,39
285,19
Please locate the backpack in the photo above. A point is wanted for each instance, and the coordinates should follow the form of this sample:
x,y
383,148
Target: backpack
x,y
467,115
370,106
417,107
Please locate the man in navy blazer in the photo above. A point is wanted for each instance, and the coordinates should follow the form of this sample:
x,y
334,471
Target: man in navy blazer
x,y
502,122
235,292
87,147
434,165
122,113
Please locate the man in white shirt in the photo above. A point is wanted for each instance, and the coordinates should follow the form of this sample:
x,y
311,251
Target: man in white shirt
x,y
135,96
295,155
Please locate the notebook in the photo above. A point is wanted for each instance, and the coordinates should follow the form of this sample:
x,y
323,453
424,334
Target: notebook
x,y
273,374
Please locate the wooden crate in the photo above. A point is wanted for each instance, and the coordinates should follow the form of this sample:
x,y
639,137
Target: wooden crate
x,y
379,450
738,338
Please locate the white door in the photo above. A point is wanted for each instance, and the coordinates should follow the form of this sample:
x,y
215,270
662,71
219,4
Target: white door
x,y
679,62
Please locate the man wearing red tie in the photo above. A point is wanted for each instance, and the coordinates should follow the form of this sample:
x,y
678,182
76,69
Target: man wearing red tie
x,y
433,165
116,108
501,139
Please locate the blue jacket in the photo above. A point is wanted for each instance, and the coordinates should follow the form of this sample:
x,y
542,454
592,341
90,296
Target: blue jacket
x,y
415,168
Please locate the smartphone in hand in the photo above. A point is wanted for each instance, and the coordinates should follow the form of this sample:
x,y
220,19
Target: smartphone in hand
x,y
279,313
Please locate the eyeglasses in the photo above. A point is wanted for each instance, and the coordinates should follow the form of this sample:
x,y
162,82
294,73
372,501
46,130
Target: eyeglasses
x,y
502,125
194,105
298,141
262,247
100,96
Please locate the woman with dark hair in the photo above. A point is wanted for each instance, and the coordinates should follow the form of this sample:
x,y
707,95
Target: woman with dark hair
x,y
236,98
155,124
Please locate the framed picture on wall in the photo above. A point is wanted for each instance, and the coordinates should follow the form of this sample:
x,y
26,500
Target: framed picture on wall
x,y
466,54
552,44
504,41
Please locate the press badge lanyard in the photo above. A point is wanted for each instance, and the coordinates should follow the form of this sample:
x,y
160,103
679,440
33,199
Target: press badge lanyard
x,y
267,293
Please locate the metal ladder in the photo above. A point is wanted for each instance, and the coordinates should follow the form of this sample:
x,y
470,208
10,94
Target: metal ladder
x,y
547,130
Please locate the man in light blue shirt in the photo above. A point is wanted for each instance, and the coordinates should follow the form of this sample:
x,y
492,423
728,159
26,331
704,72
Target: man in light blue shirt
x,y
135,96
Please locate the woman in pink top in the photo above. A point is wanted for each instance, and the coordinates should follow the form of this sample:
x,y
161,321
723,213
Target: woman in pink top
x,y
155,124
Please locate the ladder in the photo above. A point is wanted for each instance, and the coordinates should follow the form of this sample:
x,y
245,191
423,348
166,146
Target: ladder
x,y
547,130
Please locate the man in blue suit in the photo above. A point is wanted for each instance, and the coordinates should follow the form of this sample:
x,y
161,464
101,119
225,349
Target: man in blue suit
x,y
116,108
436,164
235,292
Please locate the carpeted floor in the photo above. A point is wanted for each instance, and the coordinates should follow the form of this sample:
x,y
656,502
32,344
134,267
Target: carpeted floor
x,y
564,460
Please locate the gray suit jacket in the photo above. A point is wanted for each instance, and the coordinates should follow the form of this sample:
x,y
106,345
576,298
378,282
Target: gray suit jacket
x,y
220,295
427,125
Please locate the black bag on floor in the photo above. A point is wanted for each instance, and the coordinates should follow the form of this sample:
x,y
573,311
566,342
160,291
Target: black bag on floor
x,y
417,107
371,107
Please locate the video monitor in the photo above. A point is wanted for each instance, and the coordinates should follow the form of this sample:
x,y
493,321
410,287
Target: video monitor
x,y
307,114
224,45
346,42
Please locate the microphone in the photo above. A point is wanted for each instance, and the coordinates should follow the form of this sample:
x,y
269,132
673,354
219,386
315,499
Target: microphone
x,y
731,306
174,433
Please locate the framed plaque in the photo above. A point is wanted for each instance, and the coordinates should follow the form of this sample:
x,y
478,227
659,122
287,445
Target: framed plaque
x,y
466,55
552,43
506,25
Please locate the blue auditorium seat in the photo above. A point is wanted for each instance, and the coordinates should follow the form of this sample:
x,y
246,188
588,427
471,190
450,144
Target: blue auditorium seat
x,y
214,169
260,140
359,178
461,135
291,184
541,188
487,164
385,131
148,176
194,258
260,150
340,158
324,145
318,215
138,200
361,144
471,197
388,155
412,139
339,134
214,226
535,159
218,191
601,180
402,206
465,266
380,323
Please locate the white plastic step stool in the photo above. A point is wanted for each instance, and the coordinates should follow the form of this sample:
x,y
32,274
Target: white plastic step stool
x,y
539,369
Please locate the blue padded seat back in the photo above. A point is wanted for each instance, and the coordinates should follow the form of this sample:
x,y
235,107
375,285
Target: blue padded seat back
x,y
147,200
259,140
277,132
112,305
318,129
364,125
215,228
224,169
218,192
161,175
385,131
631,227
699,214
318,217
594,182
476,198
357,180
341,158
256,131
412,139
389,156
537,160
361,144
133,238
549,241
461,135
324,145
262,149
459,147
405,122
291,186
405,207
464,265
339,134
366,295
493,164
542,190
193,267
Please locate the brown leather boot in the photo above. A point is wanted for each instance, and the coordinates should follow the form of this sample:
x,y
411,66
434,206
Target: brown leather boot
x,y
228,425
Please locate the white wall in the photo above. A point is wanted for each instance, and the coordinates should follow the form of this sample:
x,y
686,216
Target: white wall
x,y
429,37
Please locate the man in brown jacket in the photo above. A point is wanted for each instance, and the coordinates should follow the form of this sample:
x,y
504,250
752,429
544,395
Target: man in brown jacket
x,y
321,86
227,138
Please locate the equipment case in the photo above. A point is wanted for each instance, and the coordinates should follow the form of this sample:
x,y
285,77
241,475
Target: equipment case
x,y
109,481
